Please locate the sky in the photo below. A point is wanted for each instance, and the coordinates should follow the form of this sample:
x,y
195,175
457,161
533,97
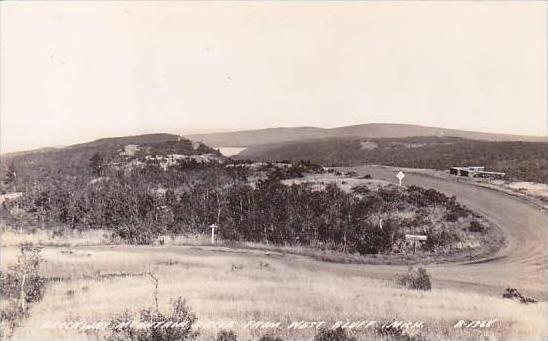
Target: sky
x,y
74,71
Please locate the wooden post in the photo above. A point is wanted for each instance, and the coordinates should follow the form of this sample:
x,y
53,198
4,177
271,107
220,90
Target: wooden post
x,y
17,213
154,280
23,294
213,233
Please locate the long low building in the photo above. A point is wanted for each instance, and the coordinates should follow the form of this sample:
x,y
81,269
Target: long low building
x,y
476,172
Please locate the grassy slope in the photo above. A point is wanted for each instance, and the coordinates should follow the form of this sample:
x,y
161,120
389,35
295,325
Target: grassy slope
x,y
520,160
290,288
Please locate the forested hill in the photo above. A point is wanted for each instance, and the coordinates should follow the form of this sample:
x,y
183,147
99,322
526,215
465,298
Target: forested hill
x,y
141,189
520,160
80,160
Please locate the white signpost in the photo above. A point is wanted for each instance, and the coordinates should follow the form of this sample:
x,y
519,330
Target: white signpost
x,y
416,238
213,226
400,176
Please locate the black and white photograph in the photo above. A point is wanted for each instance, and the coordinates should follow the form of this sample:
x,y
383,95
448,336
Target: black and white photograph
x,y
273,170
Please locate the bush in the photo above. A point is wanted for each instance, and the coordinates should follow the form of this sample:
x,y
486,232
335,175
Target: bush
x,y
361,189
514,294
338,334
416,279
226,335
456,211
136,235
397,334
23,278
476,226
180,314
451,217
440,238
11,316
19,287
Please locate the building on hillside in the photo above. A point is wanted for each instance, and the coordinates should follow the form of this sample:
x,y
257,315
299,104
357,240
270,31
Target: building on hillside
x,y
476,172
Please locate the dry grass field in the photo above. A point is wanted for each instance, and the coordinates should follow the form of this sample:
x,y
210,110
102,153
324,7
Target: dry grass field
x,y
94,283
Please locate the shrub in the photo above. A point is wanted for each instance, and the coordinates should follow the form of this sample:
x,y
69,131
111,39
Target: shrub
x,y
440,238
456,211
11,316
226,335
451,217
416,279
397,334
421,218
180,314
137,235
23,278
19,287
361,189
476,226
338,334
514,294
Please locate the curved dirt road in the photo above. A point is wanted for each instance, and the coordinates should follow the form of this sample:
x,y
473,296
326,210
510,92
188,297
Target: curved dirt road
x,y
520,263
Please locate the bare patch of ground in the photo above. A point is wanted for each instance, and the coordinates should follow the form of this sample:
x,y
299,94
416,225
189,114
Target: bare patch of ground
x,y
319,181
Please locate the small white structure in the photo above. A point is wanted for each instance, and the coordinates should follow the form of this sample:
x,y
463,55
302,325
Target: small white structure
x,y
476,172
416,238
400,176
213,227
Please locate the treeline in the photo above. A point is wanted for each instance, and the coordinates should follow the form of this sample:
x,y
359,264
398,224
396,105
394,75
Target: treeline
x,y
520,160
148,202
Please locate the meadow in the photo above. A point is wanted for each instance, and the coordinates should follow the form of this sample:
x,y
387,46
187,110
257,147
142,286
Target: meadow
x,y
229,286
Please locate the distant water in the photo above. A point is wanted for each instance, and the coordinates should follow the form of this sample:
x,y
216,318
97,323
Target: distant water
x,y
230,151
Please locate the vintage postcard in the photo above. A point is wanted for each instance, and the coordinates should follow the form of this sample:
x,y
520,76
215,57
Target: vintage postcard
x,y
273,170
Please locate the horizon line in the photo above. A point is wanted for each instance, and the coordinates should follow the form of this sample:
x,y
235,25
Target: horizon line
x,y
238,130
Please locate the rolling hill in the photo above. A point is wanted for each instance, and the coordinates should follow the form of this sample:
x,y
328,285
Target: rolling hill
x,y
74,161
248,138
520,160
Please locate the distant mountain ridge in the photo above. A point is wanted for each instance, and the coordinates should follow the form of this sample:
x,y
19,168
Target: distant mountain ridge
x,y
248,138
254,137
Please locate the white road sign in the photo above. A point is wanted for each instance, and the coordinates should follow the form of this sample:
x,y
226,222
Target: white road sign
x,y
400,176
415,237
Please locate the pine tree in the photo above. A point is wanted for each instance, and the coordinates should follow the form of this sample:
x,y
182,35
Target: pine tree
x,y
96,164
10,174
